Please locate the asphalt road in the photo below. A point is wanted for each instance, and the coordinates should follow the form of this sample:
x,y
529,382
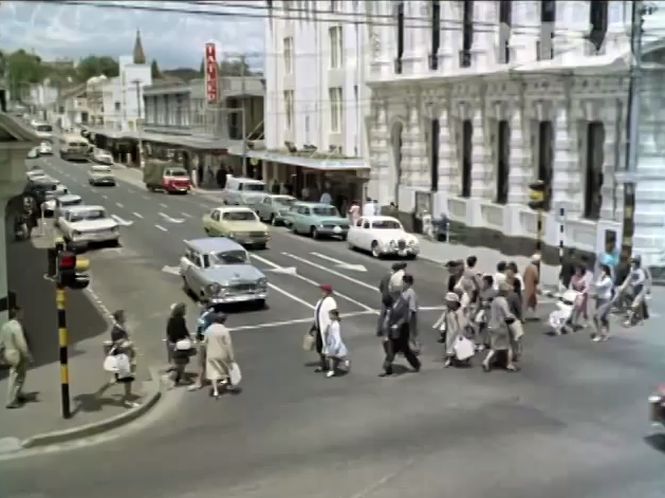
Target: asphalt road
x,y
572,423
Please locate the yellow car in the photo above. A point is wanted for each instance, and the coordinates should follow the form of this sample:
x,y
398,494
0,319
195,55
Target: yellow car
x,y
237,223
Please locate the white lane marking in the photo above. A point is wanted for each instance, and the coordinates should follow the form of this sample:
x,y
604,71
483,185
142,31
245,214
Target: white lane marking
x,y
121,221
333,272
138,215
341,264
295,321
281,269
163,205
172,270
120,205
160,227
105,197
186,215
286,270
171,220
288,294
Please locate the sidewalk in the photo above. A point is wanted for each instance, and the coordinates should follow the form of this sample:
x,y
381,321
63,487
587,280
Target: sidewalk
x,y
93,400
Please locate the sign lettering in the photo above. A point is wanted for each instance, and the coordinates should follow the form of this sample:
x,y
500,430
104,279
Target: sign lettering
x,y
211,73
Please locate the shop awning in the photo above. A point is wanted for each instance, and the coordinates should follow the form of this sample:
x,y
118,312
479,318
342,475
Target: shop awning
x,y
190,141
309,162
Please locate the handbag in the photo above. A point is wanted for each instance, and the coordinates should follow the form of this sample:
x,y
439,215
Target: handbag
x,y
308,342
463,348
235,376
516,330
110,363
183,345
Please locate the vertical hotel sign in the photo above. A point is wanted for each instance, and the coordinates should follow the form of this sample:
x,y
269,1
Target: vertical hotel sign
x,y
211,80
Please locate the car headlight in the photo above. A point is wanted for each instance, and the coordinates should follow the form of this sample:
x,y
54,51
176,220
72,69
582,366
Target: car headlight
x,y
263,282
393,243
412,242
115,229
213,289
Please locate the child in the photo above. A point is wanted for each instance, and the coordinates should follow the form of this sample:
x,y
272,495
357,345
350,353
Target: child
x,y
334,348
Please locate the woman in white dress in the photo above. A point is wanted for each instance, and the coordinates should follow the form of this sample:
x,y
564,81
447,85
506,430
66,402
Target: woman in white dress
x,y
322,320
334,348
219,354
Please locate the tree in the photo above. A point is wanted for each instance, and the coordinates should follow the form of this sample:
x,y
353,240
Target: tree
x,y
202,67
94,66
234,68
24,69
154,70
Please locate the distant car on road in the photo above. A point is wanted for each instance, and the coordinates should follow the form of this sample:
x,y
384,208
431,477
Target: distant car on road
x,y
166,176
237,223
219,271
74,147
52,206
243,191
45,149
383,236
33,153
318,220
36,173
273,208
101,175
102,156
82,225
43,130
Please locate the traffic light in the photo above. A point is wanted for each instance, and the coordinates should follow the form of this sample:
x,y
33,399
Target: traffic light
x,y
537,195
72,271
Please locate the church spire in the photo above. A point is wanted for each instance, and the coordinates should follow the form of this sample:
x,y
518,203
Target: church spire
x,y
139,55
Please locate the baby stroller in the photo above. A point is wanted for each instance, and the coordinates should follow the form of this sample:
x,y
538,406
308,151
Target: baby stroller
x,y
560,319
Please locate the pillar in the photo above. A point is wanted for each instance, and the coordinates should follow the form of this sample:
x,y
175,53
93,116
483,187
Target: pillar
x,y
566,184
520,173
481,170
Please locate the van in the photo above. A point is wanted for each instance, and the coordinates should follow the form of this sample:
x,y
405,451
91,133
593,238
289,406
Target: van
x,y
75,147
42,130
243,191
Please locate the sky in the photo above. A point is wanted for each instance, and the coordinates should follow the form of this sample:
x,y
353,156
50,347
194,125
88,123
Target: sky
x,y
56,30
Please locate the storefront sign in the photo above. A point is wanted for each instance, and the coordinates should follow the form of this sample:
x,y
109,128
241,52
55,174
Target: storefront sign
x,y
211,69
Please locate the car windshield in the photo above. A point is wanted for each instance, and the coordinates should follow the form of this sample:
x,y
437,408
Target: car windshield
x,y
236,257
69,202
177,172
101,169
387,225
284,201
93,214
239,216
45,128
325,211
253,187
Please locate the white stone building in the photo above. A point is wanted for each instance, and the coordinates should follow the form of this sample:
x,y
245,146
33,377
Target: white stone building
x,y
316,97
123,95
472,101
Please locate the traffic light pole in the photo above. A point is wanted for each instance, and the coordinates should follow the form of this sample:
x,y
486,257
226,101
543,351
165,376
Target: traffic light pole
x,y
539,232
63,341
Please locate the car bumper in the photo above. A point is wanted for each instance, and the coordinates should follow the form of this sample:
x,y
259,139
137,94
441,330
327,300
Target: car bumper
x,y
406,252
240,298
251,241
332,232
181,190
92,238
108,162
103,181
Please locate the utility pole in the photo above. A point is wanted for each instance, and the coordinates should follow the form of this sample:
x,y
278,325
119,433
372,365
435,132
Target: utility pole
x,y
243,119
633,133
139,126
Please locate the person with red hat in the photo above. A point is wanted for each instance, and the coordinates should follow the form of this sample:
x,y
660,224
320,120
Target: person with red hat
x,y
322,321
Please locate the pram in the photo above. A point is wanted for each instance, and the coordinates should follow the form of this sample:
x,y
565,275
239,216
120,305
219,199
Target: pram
x,y
560,319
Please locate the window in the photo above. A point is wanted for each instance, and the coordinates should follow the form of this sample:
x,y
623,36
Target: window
x,y
545,158
547,11
326,211
467,133
288,108
434,155
335,109
505,20
400,38
598,20
467,34
239,216
436,34
336,49
333,5
503,162
288,55
385,225
545,47
117,106
233,257
594,170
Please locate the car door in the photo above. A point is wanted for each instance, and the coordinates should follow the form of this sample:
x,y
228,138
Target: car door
x,y
366,234
354,233
210,222
189,269
301,219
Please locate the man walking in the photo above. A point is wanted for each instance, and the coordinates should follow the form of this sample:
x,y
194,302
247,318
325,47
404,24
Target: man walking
x,y
15,350
396,336
388,295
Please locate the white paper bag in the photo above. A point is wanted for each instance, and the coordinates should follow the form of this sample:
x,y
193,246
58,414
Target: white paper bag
x,y
110,364
235,374
464,348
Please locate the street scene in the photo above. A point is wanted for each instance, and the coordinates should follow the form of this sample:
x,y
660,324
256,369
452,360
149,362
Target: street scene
x,y
202,298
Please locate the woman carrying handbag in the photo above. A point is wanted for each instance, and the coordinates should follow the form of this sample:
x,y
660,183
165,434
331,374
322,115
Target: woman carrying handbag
x,y
179,341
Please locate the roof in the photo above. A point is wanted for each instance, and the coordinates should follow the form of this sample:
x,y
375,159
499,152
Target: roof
x,y
235,209
313,204
380,218
213,244
13,130
307,162
84,207
245,179
68,197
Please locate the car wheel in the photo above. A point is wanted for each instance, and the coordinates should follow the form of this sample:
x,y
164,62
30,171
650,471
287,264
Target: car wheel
x,y
207,231
411,257
262,246
114,243
260,303
343,237
375,250
314,232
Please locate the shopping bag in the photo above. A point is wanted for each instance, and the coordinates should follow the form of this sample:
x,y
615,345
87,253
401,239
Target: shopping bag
x,y
516,330
235,376
110,364
308,342
184,345
464,348
123,366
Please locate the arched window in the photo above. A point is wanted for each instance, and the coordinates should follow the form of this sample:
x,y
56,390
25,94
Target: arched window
x,y
467,135
503,161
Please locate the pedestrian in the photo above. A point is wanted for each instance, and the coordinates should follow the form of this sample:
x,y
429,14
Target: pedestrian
x,y
480,319
500,275
513,274
205,320
122,345
222,174
636,286
384,290
369,207
16,353
609,257
305,193
396,338
500,318
455,271
219,355
579,283
515,305
354,212
326,198
531,279
334,347
567,269
179,341
409,295
455,324
322,311
396,282
603,289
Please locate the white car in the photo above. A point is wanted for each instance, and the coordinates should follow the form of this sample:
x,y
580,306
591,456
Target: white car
x,y
102,156
33,153
53,206
382,236
101,175
45,149
82,225
243,191
35,174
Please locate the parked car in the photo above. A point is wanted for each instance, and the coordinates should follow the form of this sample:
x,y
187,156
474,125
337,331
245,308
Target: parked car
x,y
219,270
318,220
52,206
82,225
273,208
36,173
166,176
102,156
101,175
43,188
383,236
238,223
45,149
243,191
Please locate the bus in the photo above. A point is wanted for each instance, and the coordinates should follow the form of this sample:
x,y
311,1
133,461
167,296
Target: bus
x,y
43,130
74,147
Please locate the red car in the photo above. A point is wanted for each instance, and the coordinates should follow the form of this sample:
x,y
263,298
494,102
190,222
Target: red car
x,y
176,180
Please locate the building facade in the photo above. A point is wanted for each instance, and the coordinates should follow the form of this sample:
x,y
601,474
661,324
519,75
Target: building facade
x,y
122,96
316,97
472,101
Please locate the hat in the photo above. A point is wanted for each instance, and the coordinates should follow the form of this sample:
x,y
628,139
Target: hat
x,y
536,257
400,265
326,288
451,297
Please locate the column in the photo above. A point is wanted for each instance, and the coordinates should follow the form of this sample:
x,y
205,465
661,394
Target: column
x,y
481,170
448,163
519,174
416,35
411,146
609,160
566,184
